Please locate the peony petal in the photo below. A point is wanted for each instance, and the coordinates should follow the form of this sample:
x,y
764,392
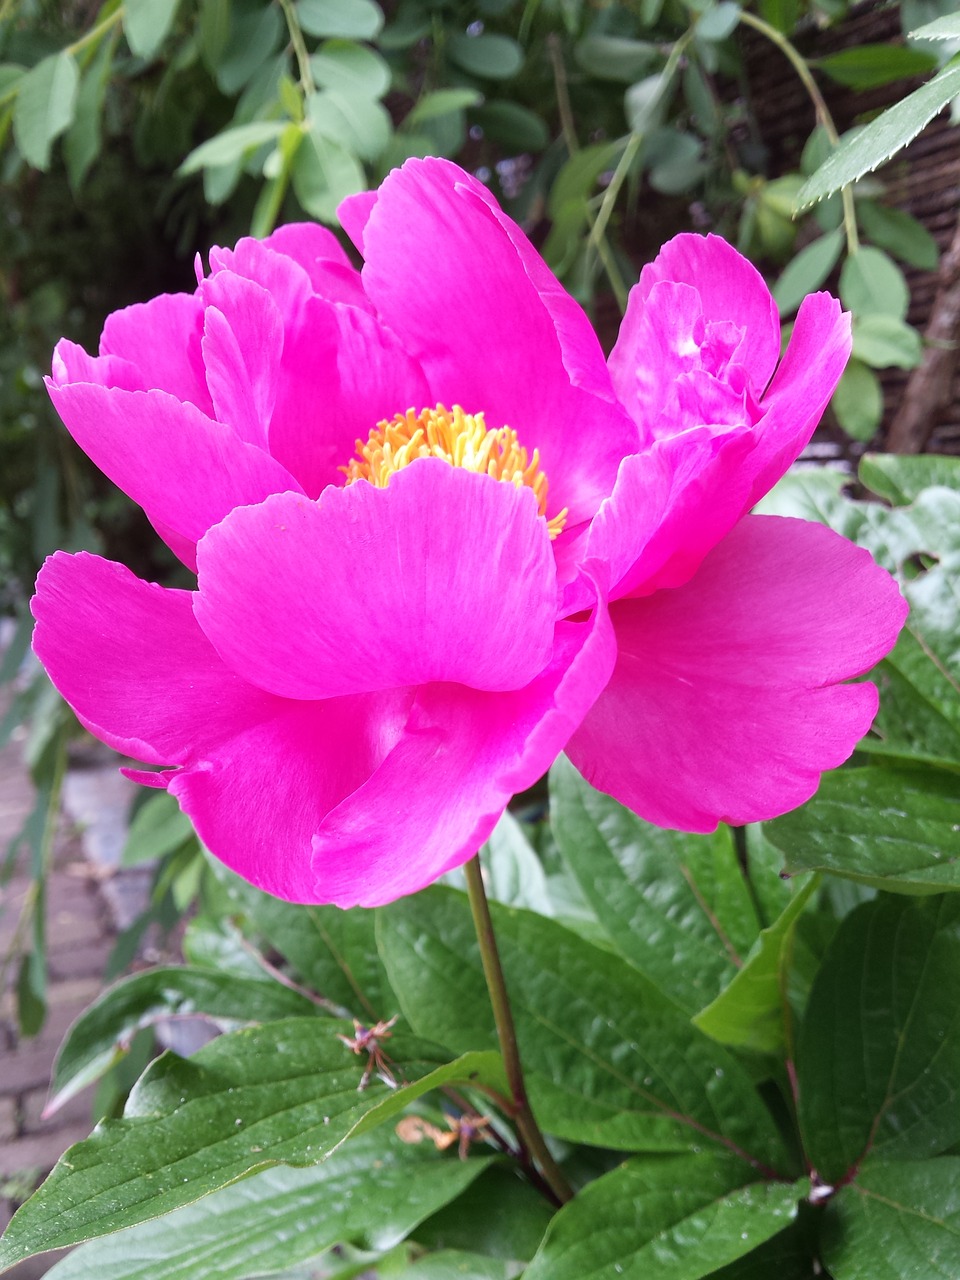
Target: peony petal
x,y
354,214
505,346
242,349
725,703
464,754
186,470
72,364
284,265
162,338
445,575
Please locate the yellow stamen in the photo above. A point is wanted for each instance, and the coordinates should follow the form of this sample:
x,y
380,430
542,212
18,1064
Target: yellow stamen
x,y
463,440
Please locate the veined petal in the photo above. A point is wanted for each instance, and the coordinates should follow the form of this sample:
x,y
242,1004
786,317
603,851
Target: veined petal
x,y
725,703
444,575
242,349
162,339
294,263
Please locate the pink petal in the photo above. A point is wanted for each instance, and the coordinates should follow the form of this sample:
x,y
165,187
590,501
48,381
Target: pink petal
x,y
471,301
242,349
725,702
162,338
445,575
440,792
307,243
186,470
285,265
354,214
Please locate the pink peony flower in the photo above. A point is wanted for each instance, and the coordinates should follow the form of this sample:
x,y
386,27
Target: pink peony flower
x,y
533,549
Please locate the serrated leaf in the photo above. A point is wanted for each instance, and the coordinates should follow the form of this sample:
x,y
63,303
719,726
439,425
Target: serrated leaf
x,y
46,98
675,905
807,271
370,1193
884,342
858,401
895,1220
610,1061
871,283
878,1054
348,19
900,234
147,23
870,65
232,144
491,56
283,1093
676,1218
892,130
944,28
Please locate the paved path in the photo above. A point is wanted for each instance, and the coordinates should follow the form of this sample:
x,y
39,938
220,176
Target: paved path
x,y
80,937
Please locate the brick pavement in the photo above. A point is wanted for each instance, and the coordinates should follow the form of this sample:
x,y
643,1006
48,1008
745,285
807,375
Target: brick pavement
x,y
79,938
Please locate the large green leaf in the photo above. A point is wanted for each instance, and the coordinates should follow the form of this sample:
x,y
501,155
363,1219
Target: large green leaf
x,y
675,905
103,1032
673,1217
371,1192
901,478
891,130
892,828
499,1215
146,24
878,1056
896,1220
283,1093
610,1060
45,104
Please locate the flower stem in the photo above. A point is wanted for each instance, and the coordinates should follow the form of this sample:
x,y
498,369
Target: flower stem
x,y
527,1126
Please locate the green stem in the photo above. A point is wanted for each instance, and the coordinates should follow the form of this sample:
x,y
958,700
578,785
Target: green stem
x,y
94,34
527,1126
299,47
802,68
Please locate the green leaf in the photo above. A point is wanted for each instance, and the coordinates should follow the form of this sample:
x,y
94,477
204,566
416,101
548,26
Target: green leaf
x,y
858,401
895,1220
892,130
610,1061
354,121
901,478
45,105
870,65
719,21
232,144
616,58
371,1193
890,828
453,1264
871,283
878,1055
807,271
159,827
513,125
350,68
900,234
945,28
31,993
147,23
348,19
675,1217
489,55
255,34
103,1032
81,146
512,872
324,173
283,1093
675,905
748,1014
441,103
499,1215
883,341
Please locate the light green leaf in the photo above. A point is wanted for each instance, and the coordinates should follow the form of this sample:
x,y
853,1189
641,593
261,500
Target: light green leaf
x,y
945,28
147,23
350,68
616,58
895,1220
45,105
871,283
858,401
610,1061
884,341
807,271
283,1093
452,1264
159,826
900,234
370,1193
354,121
719,21
675,1218
81,145
892,130
324,173
348,19
442,102
255,34
675,905
512,872
878,1054
901,478
232,144
867,66
490,55
748,1014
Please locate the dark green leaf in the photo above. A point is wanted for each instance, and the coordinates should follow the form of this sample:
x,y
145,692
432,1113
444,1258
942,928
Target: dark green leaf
x,y
673,1217
45,104
616,58
453,1264
900,234
513,125
894,1221
883,137
103,1031
31,993
807,271
872,284
610,1061
869,65
884,341
675,905
878,1057
441,103
283,1093
858,401
349,19
146,24
371,1192
500,1215
490,56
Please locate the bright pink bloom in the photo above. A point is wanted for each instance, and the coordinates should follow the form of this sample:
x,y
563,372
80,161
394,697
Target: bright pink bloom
x,y
365,675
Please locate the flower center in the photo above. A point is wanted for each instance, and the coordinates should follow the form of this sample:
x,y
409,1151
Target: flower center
x,y
463,440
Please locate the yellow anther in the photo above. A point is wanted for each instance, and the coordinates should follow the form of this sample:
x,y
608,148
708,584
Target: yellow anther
x,y
463,440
